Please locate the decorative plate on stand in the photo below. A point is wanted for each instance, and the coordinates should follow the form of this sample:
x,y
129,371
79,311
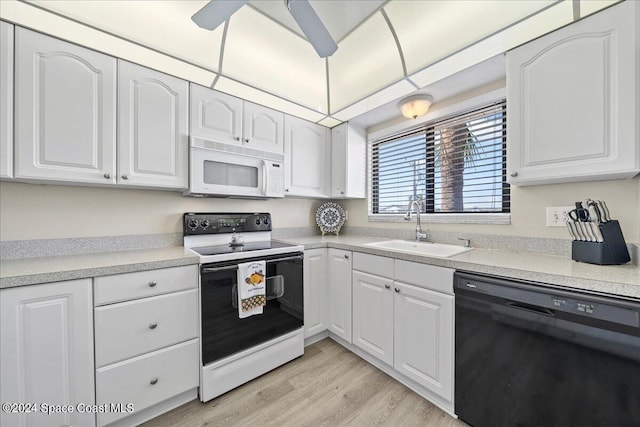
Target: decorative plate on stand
x,y
330,218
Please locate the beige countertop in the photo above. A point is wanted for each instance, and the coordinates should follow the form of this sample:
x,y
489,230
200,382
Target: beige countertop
x,y
621,280
30,271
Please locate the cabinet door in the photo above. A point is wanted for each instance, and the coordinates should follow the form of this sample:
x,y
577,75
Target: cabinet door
x,y
65,99
153,136
307,151
215,115
348,161
315,291
373,315
46,335
340,293
572,102
6,100
263,128
423,347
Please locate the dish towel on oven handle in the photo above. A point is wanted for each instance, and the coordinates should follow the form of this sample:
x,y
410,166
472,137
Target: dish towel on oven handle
x,y
252,288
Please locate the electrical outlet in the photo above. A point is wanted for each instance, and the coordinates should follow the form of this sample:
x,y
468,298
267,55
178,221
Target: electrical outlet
x,y
556,215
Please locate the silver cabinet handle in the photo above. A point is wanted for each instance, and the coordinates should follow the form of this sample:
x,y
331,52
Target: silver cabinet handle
x,y
236,138
346,256
125,176
153,325
153,381
514,174
107,176
152,284
387,286
397,290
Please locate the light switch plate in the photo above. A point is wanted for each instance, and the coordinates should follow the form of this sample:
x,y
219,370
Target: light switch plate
x,y
556,215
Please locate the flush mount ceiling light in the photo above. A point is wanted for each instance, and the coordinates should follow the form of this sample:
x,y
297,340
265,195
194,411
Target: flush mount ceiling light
x,y
216,12
415,106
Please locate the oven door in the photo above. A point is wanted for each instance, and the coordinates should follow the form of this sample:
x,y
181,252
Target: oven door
x,y
223,332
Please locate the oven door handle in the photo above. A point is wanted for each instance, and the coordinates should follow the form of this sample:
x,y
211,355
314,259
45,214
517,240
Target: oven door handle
x,y
216,269
290,258
235,266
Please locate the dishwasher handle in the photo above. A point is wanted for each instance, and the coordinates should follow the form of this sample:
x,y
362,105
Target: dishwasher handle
x,y
530,308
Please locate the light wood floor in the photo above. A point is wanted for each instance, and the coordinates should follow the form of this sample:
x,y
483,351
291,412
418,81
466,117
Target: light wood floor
x,y
328,386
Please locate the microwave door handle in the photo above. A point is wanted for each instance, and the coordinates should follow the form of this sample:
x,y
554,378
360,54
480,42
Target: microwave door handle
x,y
264,178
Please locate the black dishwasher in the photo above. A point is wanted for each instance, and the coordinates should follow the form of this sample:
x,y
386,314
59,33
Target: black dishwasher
x,y
533,355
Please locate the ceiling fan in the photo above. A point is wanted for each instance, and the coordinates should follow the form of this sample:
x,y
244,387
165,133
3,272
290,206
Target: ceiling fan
x,y
217,11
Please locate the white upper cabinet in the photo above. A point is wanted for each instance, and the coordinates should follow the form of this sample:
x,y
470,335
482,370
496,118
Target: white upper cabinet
x,y
307,151
215,115
348,162
65,109
263,128
219,117
572,101
153,133
6,100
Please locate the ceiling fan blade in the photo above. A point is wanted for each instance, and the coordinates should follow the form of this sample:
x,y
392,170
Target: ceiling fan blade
x,y
216,12
312,27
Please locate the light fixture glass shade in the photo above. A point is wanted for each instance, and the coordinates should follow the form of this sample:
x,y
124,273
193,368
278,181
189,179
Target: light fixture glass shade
x,y
415,106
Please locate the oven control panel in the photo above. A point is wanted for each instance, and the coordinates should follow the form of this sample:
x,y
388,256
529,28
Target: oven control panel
x,y
218,223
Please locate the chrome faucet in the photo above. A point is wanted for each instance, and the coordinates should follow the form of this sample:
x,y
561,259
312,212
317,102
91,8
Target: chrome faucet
x,y
420,236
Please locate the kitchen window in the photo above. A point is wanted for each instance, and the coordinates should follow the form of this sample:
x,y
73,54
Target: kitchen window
x,y
455,167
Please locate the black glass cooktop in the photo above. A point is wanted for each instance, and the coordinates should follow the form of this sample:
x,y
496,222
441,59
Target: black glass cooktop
x,y
246,247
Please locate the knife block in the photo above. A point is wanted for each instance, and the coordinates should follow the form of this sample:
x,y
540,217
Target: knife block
x,y
610,252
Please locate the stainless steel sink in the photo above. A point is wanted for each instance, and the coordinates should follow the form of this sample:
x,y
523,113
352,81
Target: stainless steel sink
x,y
438,250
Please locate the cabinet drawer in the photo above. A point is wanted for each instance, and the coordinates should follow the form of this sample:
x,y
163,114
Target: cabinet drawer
x,y
147,380
425,276
135,327
373,264
128,286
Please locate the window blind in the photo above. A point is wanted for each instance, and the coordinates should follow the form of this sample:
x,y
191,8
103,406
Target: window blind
x,y
456,164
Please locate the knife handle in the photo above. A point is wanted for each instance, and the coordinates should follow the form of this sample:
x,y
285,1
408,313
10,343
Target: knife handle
x,y
605,211
594,213
597,232
570,228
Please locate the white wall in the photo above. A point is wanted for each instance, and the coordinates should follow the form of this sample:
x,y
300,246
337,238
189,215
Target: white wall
x,y
528,209
29,211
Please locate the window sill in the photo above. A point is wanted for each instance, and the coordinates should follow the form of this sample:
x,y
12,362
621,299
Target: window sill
x,y
470,218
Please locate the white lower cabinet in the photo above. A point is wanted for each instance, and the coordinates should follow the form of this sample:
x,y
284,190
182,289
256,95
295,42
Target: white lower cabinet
x,y
408,326
423,337
316,291
46,338
373,315
339,282
147,349
144,381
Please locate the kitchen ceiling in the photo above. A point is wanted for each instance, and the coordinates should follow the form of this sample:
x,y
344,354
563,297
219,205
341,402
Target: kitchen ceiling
x,y
386,49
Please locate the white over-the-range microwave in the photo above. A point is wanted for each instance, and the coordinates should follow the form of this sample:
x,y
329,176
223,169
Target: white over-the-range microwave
x,y
224,170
